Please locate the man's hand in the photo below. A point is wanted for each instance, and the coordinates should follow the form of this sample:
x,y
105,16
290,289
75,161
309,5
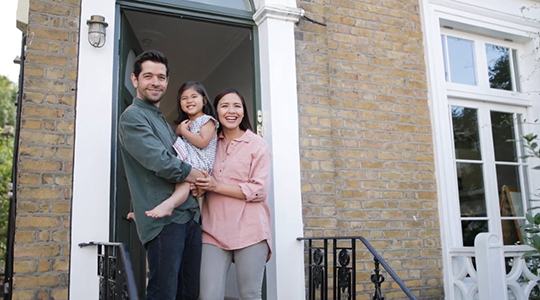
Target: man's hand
x,y
193,175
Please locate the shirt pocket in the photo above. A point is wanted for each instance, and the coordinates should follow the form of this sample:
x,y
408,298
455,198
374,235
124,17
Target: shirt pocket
x,y
239,171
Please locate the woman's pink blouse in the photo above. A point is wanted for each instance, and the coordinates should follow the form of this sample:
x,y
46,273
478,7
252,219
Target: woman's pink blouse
x,y
230,223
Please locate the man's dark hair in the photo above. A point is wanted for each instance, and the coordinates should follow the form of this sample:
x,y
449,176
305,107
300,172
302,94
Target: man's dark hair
x,y
151,55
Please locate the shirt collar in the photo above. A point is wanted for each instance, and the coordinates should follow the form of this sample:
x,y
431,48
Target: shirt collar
x,y
246,137
146,105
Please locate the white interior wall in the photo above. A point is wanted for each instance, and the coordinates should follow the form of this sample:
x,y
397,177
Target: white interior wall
x,y
236,71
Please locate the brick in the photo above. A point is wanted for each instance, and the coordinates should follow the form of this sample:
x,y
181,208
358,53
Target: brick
x,y
50,8
49,34
61,236
40,165
60,294
24,236
44,265
38,222
42,138
37,281
24,266
23,295
43,111
62,208
31,251
46,60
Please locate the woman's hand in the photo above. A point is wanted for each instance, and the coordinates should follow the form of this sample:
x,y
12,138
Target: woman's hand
x,y
182,128
196,192
208,183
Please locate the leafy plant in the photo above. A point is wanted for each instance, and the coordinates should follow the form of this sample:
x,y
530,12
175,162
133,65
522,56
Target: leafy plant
x,y
533,221
8,96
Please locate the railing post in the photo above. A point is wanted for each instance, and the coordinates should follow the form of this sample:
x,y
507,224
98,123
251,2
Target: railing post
x,y
116,278
491,272
344,268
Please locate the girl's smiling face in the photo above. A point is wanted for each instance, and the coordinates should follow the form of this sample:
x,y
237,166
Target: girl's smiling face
x,y
192,103
230,111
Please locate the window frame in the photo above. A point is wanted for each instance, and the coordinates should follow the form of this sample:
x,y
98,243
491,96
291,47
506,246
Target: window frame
x,y
489,164
482,91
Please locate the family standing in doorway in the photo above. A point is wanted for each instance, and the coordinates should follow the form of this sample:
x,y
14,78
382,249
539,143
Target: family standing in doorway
x,y
213,154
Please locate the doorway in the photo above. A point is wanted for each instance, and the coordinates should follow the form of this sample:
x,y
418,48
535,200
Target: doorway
x,y
219,54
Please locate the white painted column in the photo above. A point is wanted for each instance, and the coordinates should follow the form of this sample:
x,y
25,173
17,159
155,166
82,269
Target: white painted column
x,y
491,272
92,158
285,271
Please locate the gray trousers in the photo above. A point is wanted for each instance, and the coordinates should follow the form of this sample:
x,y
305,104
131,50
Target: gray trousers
x,y
250,263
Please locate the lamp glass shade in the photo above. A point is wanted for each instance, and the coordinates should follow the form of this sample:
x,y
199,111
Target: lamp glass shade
x,y
96,35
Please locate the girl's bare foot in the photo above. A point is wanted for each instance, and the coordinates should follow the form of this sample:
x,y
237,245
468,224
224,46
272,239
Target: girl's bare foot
x,y
163,210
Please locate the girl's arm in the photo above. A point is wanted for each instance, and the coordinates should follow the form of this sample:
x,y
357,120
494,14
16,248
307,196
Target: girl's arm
x,y
202,139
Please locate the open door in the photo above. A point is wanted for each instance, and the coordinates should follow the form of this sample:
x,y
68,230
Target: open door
x,y
122,229
218,53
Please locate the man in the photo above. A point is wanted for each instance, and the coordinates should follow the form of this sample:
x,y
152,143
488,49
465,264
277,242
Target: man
x,y
173,243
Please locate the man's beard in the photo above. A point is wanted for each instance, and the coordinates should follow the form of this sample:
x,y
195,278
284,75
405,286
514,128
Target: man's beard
x,y
153,101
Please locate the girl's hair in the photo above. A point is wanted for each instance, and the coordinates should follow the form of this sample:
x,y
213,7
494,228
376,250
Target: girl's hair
x,y
245,124
199,88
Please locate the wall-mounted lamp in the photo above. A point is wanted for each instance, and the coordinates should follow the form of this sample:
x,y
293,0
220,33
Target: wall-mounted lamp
x,y
96,30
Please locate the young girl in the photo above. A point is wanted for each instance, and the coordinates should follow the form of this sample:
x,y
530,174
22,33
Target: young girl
x,y
196,144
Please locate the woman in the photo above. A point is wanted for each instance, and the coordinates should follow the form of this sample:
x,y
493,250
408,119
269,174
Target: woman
x,y
235,214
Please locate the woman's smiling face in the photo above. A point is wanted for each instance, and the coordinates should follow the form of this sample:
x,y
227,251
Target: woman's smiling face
x,y
230,111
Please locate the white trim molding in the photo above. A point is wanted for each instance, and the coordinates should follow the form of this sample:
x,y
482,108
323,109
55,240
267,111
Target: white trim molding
x,y
92,157
285,272
22,14
278,12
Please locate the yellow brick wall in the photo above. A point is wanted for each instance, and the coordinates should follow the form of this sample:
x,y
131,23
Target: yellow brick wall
x,y
45,161
367,157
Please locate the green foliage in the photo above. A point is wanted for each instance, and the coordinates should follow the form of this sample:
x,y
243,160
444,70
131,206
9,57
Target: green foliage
x,y
8,97
6,158
532,228
530,142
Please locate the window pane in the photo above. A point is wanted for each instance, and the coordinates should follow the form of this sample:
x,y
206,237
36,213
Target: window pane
x,y
443,40
504,139
461,60
513,232
508,184
516,70
470,229
466,137
470,180
500,73
236,4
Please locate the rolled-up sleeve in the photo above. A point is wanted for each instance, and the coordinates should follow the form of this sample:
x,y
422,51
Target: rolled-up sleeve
x,y
139,141
257,186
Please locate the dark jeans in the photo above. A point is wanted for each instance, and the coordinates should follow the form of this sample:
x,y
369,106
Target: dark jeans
x,y
174,261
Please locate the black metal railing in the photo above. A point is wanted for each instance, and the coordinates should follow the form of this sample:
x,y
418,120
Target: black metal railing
x,y
342,255
116,277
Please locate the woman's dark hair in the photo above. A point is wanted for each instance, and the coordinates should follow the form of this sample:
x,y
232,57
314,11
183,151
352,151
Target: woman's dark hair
x,y
245,124
151,55
208,109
